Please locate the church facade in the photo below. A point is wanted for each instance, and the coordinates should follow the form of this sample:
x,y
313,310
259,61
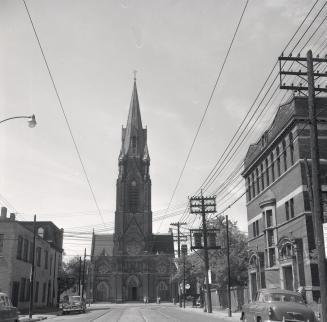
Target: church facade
x,y
133,263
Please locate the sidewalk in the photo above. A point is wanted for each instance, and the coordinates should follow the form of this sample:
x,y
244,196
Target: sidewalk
x,y
221,314
36,317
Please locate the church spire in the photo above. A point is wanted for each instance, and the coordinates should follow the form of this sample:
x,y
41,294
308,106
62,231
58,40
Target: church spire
x,y
134,129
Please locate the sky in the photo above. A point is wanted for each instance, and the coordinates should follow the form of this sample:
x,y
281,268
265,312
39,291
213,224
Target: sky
x,y
92,48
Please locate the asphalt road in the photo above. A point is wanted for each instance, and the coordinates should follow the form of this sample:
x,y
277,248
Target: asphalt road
x,y
141,313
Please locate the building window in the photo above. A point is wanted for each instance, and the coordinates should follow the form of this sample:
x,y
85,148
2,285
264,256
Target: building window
x,y
262,177
22,289
253,185
267,172
278,161
31,253
255,227
44,292
291,147
40,232
287,211
38,256
134,144
36,294
2,237
133,197
249,188
25,250
272,161
51,259
257,180
269,218
27,296
284,154
46,258
272,257
292,208
270,237
19,247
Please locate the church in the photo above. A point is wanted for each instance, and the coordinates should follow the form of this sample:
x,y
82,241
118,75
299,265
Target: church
x,y
133,263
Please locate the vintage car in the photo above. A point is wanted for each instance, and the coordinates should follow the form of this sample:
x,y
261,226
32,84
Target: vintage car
x,y
8,313
73,303
277,305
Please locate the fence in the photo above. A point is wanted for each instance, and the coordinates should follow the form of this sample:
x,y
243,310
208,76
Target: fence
x,y
239,296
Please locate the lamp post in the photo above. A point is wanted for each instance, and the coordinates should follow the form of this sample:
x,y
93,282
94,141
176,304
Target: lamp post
x,y
31,120
31,123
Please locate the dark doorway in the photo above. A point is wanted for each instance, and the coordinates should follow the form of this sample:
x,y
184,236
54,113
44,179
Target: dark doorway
x,y
254,287
14,293
134,293
288,278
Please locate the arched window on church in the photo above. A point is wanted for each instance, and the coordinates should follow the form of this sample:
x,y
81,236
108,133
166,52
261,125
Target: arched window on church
x,y
133,196
134,144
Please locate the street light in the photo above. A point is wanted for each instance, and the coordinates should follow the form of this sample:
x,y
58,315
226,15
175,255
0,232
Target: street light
x,y
31,120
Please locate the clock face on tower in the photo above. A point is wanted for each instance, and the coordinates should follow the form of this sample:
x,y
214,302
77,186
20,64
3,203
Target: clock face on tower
x,y
133,248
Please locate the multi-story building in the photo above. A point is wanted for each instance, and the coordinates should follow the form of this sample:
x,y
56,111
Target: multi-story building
x,y
133,263
16,249
281,235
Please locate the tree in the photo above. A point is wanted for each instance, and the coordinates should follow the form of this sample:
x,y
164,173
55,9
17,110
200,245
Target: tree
x,y
218,258
238,254
69,274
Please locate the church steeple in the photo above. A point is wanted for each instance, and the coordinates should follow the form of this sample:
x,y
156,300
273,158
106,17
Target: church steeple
x,y
133,135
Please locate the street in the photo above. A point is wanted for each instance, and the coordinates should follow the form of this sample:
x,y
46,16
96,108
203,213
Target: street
x,y
137,312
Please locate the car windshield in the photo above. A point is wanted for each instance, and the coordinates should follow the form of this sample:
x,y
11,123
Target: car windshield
x,y
281,297
74,299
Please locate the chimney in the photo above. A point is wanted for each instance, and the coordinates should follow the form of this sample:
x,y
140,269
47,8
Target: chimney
x,y
3,213
12,216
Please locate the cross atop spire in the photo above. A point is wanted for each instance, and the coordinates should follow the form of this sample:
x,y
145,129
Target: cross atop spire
x,y
134,72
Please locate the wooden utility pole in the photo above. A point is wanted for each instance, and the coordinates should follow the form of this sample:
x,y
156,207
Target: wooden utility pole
x,y
31,290
179,239
317,214
79,275
184,253
203,205
228,270
83,278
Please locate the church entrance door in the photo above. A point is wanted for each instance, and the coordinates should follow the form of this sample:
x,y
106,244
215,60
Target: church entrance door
x,y
134,293
133,285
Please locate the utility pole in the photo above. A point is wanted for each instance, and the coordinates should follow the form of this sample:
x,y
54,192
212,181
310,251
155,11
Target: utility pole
x,y
317,214
179,239
79,275
228,269
83,278
204,205
184,253
31,290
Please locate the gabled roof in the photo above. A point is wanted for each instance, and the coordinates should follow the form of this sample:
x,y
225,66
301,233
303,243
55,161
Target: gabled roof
x,y
163,244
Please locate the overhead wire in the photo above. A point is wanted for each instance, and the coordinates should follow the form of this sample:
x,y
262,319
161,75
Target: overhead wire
x,y
64,114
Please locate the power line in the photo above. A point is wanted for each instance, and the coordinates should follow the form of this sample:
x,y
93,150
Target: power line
x,y
207,106
64,114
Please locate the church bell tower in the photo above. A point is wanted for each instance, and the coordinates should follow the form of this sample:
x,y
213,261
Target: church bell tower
x,y
133,216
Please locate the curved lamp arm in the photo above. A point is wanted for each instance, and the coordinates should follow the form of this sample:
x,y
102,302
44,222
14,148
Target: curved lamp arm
x,y
31,122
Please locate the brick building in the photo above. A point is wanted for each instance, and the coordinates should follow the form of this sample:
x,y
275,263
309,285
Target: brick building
x,y
16,244
133,263
280,226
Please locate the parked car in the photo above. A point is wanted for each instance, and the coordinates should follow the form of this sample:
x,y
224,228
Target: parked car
x,y
277,305
73,303
8,313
